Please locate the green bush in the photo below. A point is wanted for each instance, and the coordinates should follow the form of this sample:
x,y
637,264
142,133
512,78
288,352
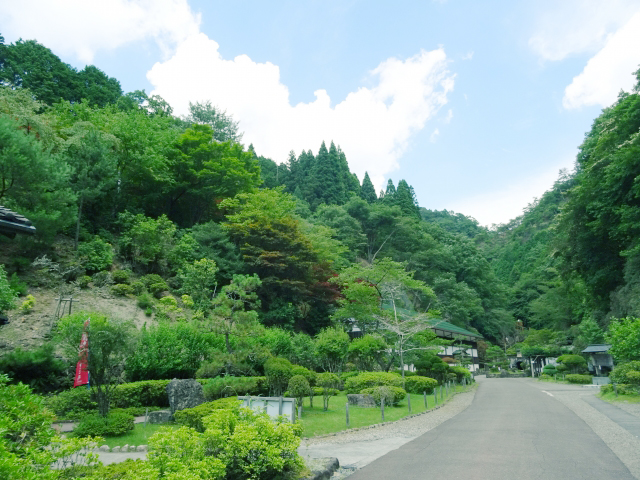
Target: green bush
x,y
231,386
391,395
138,288
550,370
121,290
620,372
120,276
310,375
96,255
580,379
145,301
372,379
72,404
278,372
192,417
575,363
28,304
298,388
38,368
83,281
460,373
19,287
113,425
7,295
101,279
141,394
155,284
419,384
319,391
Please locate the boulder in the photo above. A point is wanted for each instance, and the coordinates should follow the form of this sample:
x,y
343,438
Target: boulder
x,y
184,394
115,450
360,400
141,448
160,416
104,448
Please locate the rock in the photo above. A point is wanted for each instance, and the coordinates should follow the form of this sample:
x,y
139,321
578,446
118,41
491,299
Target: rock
x,y
115,450
184,394
104,448
360,400
322,468
160,416
141,448
132,448
125,448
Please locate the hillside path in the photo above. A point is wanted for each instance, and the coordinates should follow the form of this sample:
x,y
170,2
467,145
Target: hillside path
x,y
518,428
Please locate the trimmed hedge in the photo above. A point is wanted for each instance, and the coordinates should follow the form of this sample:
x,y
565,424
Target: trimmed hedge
x,y
620,373
372,379
219,387
115,424
391,395
579,379
418,384
192,417
622,388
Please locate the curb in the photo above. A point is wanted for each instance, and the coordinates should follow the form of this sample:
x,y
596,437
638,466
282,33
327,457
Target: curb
x,y
123,449
376,425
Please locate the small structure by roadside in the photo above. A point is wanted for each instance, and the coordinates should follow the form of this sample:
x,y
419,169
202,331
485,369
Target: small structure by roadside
x,y
600,361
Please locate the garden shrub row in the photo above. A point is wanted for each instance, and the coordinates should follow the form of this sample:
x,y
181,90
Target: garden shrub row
x,y
391,395
622,389
418,384
232,386
95,425
579,379
364,380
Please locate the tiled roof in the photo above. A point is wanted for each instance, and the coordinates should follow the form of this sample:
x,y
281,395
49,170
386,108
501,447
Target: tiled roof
x,y
599,348
12,223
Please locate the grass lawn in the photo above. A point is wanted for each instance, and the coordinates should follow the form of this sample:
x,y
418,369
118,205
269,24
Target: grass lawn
x,y
138,436
318,422
612,398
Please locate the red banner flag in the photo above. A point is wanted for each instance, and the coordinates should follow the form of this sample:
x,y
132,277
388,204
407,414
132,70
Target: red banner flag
x,y
82,367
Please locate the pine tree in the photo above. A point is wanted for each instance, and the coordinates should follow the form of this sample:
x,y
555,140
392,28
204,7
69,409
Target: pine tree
x,y
367,191
390,193
404,198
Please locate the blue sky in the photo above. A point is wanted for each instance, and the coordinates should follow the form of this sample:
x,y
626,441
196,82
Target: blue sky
x,y
478,105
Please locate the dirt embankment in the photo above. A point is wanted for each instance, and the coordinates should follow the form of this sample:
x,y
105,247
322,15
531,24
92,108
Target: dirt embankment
x,y
31,330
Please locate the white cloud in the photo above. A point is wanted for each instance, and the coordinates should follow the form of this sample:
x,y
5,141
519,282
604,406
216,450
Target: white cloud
x,y
449,116
501,206
609,70
468,55
434,135
81,27
577,26
372,125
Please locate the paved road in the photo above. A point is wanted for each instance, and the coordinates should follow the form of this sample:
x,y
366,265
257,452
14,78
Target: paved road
x,y
513,429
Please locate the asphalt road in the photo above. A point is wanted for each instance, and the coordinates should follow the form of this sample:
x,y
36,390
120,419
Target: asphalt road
x,y
512,430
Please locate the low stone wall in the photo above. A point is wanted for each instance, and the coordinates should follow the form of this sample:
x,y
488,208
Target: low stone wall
x,y
506,375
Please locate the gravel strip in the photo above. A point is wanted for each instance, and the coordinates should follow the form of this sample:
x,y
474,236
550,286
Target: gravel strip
x,y
625,445
409,428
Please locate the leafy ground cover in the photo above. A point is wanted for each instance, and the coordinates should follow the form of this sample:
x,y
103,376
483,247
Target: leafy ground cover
x,y
611,397
315,421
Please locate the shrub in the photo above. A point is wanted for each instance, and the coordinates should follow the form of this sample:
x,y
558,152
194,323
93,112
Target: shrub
x,y
121,290
120,276
145,301
138,288
328,382
150,279
298,388
319,391
71,404
236,444
96,255
372,379
113,425
391,395
460,373
83,281
580,379
187,301
148,311
101,279
575,363
38,368
620,373
192,417
7,295
418,384
19,287
157,289
141,394
169,302
278,372
305,372
232,386
550,370
28,304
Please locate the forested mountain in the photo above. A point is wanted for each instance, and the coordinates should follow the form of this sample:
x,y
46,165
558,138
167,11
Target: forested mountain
x,y
85,161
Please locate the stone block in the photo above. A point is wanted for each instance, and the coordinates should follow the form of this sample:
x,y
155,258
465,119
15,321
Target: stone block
x,y
104,448
115,450
360,400
141,448
184,394
160,416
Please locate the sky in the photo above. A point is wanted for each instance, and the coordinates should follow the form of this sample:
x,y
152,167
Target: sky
x,y
478,105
